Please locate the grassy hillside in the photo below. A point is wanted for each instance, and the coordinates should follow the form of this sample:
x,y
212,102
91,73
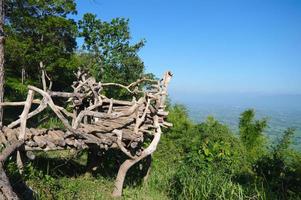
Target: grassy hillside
x,y
193,161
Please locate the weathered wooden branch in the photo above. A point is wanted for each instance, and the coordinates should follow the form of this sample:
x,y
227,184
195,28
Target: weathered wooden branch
x,y
65,94
96,121
130,162
128,87
21,103
10,149
24,114
55,109
120,145
38,110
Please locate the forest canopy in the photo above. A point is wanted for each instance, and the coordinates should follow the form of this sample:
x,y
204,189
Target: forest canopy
x,y
42,35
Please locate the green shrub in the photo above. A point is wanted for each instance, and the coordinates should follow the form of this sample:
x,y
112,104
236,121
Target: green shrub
x,y
193,161
280,170
217,148
251,132
209,165
206,184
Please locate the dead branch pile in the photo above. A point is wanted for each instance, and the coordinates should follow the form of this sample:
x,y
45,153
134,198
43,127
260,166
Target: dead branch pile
x,y
90,119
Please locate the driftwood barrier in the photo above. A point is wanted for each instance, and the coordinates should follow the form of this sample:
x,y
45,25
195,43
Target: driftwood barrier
x,y
92,120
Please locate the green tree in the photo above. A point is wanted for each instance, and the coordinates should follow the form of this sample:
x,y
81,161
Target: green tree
x,y
39,36
251,133
108,45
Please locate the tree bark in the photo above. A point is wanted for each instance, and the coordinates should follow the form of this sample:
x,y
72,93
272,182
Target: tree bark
x,y
121,176
43,76
23,74
1,59
126,165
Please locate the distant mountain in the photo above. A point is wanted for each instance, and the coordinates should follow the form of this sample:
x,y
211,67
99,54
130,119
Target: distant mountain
x,y
282,111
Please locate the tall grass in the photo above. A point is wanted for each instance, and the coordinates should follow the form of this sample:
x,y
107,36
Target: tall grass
x,y
193,161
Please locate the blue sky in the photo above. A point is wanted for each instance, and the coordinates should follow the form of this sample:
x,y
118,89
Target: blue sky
x,y
215,46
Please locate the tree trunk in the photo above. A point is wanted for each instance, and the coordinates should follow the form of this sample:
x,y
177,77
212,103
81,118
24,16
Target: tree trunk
x,y
121,176
43,76
1,59
23,74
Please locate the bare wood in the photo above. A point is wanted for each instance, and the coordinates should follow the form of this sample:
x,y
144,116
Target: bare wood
x,y
10,149
111,123
110,107
128,87
116,102
21,103
65,94
24,114
140,120
65,111
166,79
39,109
49,79
2,138
120,145
12,135
113,115
52,106
19,161
23,118
43,76
117,192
